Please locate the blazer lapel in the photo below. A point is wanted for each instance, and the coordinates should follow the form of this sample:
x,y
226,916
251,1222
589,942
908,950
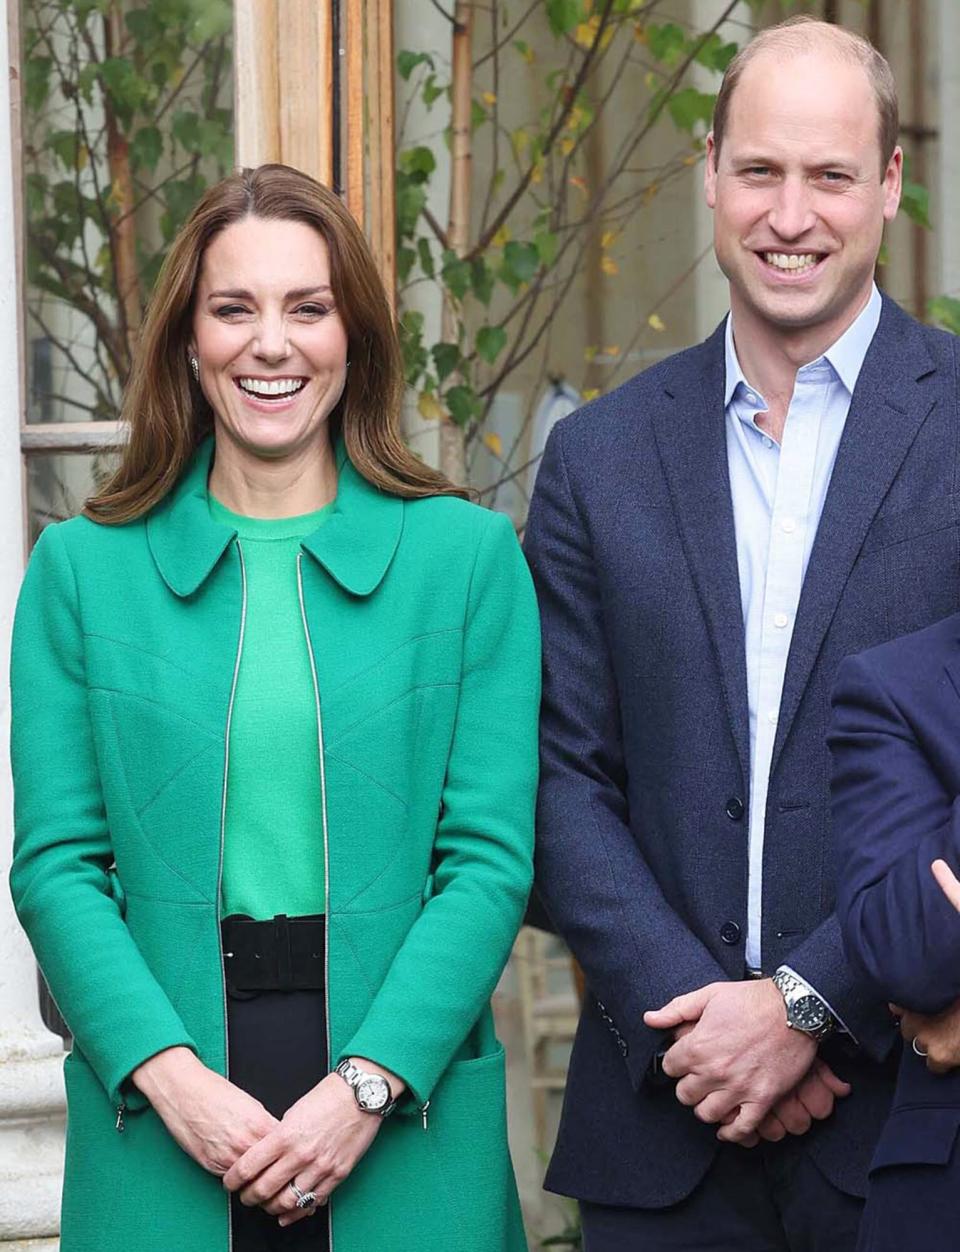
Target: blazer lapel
x,y
691,440
886,412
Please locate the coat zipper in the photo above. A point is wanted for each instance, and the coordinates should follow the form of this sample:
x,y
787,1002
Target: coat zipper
x,y
223,825
326,843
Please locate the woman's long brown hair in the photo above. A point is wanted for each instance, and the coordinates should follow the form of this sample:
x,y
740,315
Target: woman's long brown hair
x,y
167,412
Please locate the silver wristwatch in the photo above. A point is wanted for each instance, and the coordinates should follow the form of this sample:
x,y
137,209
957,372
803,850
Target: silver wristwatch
x,y
371,1091
806,1011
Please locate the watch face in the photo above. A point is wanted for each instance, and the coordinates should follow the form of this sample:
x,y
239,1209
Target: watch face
x,y
808,1013
373,1093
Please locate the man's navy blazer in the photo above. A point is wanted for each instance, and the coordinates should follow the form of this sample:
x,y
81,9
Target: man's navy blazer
x,y
896,746
642,839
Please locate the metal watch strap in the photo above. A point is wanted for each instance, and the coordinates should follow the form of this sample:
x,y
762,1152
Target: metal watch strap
x,y
794,988
353,1076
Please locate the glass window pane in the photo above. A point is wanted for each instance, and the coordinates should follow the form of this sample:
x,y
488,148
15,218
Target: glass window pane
x,y
58,483
127,118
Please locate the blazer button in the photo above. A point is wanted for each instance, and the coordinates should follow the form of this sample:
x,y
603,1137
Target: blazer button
x,y
734,809
730,932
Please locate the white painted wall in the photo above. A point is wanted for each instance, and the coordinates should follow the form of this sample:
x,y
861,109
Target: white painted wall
x,y
31,1085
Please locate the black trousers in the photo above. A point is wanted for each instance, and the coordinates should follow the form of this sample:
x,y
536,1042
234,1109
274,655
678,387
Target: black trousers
x,y
278,1051
771,1198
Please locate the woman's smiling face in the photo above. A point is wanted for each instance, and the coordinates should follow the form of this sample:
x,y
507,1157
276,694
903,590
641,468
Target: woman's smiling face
x,y
271,344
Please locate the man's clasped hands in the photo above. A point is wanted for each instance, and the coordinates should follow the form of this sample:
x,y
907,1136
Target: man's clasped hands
x,y
740,1066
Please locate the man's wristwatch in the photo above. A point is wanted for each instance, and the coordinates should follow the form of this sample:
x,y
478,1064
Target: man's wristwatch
x,y
806,1011
371,1091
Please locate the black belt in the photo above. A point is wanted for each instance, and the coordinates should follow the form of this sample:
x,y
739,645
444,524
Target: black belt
x,y
283,954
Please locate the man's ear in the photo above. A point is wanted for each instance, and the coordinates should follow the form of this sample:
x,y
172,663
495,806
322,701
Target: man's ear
x,y
892,184
710,173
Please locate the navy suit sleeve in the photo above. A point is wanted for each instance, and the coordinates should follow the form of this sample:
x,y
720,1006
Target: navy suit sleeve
x,y
893,817
634,949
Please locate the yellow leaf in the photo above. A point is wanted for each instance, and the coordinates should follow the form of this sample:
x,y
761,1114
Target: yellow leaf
x,y
585,33
613,350
608,238
590,393
520,140
605,38
489,99
655,322
650,192
495,444
692,158
575,120
83,156
649,80
640,33
567,145
501,237
536,174
609,265
579,183
527,54
430,407
590,353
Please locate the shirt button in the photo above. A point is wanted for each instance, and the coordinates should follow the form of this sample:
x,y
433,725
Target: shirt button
x,y
788,525
772,717
734,809
780,620
767,443
751,397
730,932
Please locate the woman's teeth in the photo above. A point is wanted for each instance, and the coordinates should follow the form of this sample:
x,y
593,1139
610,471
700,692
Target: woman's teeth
x,y
271,387
791,261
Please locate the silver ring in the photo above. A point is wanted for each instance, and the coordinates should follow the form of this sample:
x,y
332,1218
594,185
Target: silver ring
x,y
919,1051
305,1199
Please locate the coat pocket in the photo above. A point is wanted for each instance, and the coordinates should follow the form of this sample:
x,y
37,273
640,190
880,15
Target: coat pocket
x,y
917,1136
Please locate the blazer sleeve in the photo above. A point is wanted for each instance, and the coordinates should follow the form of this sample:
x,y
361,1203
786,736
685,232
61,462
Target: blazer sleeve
x,y
60,880
893,817
448,965
635,950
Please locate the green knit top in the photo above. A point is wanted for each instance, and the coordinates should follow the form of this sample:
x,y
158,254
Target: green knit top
x,y
273,834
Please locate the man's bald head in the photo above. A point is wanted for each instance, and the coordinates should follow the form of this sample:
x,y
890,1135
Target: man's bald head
x,y
799,36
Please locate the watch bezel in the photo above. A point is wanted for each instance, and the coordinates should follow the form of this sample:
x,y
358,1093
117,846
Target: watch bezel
x,y
367,1102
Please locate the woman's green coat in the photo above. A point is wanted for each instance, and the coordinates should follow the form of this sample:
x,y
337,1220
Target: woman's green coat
x,y
424,632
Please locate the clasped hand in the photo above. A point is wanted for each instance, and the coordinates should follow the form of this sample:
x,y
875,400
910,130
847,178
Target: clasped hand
x,y
316,1143
739,1065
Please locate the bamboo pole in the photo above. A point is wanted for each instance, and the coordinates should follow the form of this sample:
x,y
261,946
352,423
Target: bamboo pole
x,y
452,450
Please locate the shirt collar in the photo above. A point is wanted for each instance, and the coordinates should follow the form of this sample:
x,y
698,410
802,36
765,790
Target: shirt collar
x,y
846,356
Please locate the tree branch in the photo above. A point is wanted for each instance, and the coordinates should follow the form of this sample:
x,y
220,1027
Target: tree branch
x,y
494,51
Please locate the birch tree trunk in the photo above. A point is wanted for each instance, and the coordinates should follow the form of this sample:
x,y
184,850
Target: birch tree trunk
x,y
124,241
452,446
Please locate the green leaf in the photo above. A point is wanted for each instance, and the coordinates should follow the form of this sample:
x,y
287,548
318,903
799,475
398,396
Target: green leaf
x,y
478,114
214,20
146,148
126,88
915,202
563,15
490,341
408,61
689,106
455,274
35,186
86,81
463,404
431,90
411,197
446,358
715,54
945,311
64,144
482,279
546,243
666,43
144,25
426,257
405,261
36,82
418,163
522,260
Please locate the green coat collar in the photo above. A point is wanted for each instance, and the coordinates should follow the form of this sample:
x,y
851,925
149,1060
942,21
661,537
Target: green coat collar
x,y
355,545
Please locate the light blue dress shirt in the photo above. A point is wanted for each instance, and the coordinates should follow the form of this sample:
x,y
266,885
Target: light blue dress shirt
x,y
778,493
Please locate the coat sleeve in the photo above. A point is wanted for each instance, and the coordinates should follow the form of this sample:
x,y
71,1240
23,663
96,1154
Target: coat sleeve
x,y
60,881
636,951
448,965
893,817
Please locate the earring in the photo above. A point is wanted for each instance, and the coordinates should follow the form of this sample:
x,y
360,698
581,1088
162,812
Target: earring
x,y
195,366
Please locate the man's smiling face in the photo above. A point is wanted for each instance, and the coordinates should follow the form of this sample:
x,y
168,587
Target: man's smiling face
x,y
799,192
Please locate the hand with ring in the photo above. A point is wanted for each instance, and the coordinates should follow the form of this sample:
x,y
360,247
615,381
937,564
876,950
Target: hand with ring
x,y
295,1168
934,1037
